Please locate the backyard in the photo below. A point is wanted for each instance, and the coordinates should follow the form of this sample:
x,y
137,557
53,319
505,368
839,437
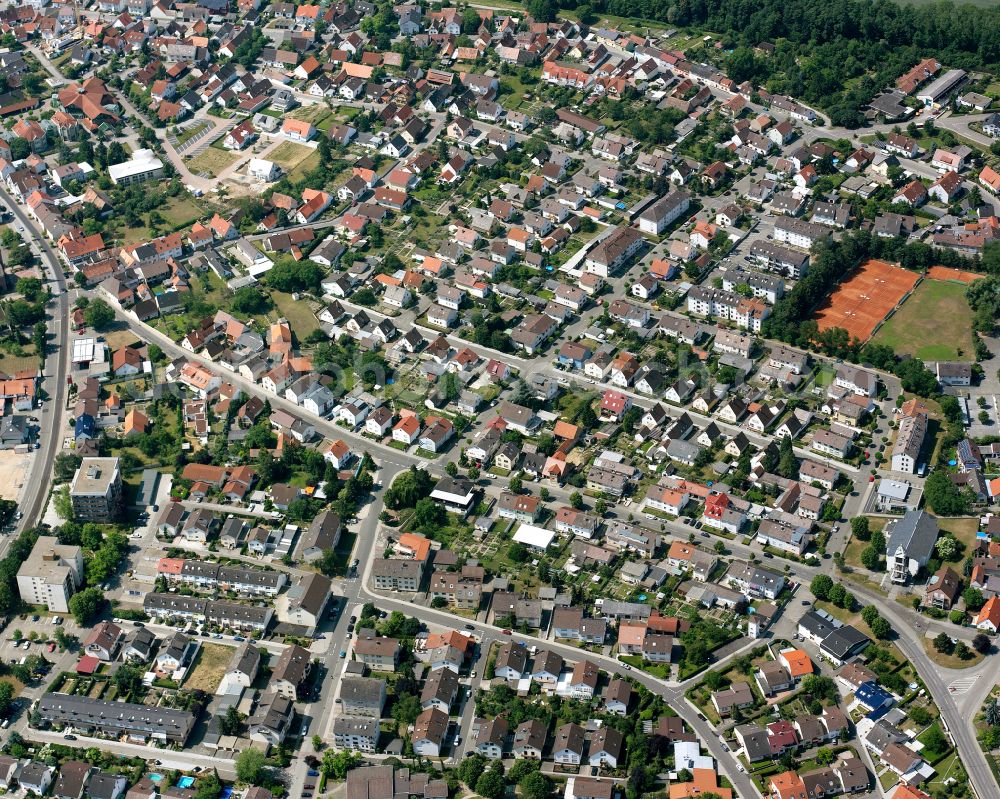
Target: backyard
x,y
936,312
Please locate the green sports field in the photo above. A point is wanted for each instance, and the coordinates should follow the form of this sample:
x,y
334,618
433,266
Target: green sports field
x,y
933,324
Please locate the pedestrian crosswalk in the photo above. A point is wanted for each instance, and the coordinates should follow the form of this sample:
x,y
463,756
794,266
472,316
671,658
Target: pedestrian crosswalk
x,y
962,684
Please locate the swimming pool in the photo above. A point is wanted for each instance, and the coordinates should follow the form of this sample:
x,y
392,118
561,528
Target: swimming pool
x,y
226,793
185,782
156,777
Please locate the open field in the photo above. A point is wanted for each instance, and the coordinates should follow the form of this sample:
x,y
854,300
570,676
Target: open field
x,y
212,160
120,338
298,313
934,324
289,155
309,163
319,115
863,301
209,667
182,210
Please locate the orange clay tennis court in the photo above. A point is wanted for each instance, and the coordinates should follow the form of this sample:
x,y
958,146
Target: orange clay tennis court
x,y
954,275
861,303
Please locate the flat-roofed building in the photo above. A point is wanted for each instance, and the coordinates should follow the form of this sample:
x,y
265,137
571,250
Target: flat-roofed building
x,y
96,490
51,574
143,166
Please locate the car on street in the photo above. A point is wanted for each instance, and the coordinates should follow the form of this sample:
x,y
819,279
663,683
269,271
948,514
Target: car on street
x,y
505,632
343,654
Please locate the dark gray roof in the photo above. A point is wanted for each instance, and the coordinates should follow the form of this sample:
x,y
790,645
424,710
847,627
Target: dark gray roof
x,y
844,642
82,711
755,742
915,533
816,625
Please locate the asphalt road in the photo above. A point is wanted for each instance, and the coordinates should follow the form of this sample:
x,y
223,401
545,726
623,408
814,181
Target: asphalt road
x,y
50,414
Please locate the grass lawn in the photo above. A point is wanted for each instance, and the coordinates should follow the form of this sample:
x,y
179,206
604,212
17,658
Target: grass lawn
x,y
846,616
182,211
120,338
929,754
212,288
948,769
212,160
661,670
209,667
289,155
852,554
950,661
936,312
299,315
321,117
306,165
964,529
